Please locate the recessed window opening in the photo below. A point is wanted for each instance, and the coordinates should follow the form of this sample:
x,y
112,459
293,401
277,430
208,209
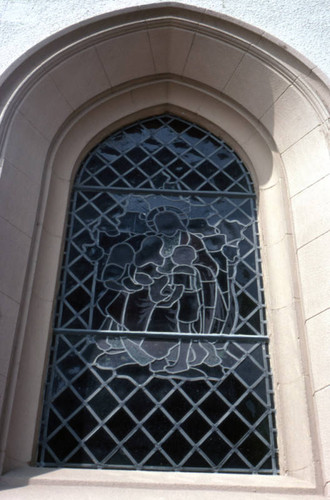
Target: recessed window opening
x,y
159,358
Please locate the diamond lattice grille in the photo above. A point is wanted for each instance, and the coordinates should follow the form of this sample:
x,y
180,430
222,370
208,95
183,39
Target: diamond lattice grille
x,y
159,358
120,414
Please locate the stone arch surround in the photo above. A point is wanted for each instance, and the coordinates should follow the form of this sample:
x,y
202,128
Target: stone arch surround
x,y
63,97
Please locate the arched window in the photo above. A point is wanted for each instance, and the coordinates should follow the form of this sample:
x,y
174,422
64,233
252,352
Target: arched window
x,y
159,357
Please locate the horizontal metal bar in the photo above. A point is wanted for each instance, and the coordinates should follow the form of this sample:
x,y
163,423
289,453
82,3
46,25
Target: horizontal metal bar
x,y
180,192
170,335
175,468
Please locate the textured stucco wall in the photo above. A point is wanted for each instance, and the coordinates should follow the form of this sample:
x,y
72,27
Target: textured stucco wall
x,y
303,24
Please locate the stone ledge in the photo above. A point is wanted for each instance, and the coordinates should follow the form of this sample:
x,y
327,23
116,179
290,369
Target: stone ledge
x,y
170,482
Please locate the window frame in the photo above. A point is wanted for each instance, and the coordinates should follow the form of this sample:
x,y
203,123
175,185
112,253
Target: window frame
x,y
258,145
66,159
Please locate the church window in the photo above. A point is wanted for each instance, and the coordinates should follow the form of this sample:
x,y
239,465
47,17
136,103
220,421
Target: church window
x,y
159,358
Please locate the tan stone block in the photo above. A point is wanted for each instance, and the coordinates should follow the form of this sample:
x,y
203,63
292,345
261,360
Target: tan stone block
x,y
327,490
265,162
152,96
57,204
47,268
212,61
53,492
322,403
100,484
314,265
277,266
285,344
36,339
24,418
307,161
45,107
127,57
152,480
318,341
234,125
273,214
19,197
183,97
296,431
30,379
255,86
311,211
26,148
170,48
291,59
81,77
290,118
3,382
235,28
15,247
8,320
320,83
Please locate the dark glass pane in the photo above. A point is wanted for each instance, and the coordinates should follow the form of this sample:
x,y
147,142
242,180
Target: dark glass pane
x,y
140,405
100,443
139,446
216,449
174,451
81,457
214,407
158,425
83,423
103,404
62,444
253,449
177,406
157,460
120,424
233,428
196,427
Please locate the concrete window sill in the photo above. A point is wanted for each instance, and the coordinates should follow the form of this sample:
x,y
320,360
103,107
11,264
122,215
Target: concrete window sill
x,y
31,482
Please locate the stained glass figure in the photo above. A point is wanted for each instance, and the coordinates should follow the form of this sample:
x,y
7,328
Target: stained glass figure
x,y
159,358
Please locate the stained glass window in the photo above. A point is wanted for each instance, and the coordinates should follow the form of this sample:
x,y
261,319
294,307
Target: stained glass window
x,y
160,355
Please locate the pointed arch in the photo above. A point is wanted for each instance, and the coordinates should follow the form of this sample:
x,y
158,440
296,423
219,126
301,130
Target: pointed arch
x,y
260,97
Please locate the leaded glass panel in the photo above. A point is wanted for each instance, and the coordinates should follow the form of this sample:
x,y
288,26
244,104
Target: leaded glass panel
x,y
159,358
